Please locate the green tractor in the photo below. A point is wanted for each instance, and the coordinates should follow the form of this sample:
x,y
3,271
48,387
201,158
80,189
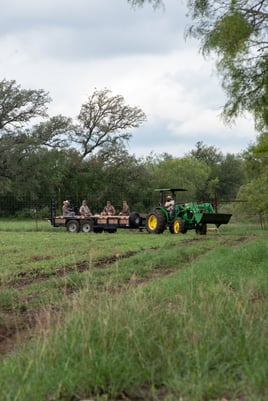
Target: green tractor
x,y
182,216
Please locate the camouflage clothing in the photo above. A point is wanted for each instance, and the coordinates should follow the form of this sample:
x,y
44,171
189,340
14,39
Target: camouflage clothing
x,y
108,210
84,209
125,209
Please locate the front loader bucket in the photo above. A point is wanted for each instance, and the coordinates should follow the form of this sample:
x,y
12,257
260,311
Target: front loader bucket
x,y
215,218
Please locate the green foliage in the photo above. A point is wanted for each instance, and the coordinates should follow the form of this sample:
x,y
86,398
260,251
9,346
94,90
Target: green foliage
x,y
208,154
155,3
226,173
236,31
231,175
255,190
105,119
221,37
53,132
18,106
255,197
182,173
44,160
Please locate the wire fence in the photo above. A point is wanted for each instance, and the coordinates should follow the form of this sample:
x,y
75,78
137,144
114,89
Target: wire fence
x,y
24,206
40,206
27,206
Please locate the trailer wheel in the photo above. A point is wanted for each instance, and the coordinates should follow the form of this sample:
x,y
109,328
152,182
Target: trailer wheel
x,y
72,226
87,226
135,219
155,222
177,227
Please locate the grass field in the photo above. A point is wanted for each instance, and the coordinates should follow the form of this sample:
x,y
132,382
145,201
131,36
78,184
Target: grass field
x,y
133,316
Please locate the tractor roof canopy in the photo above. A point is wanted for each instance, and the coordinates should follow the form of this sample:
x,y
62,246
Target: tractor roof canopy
x,y
170,189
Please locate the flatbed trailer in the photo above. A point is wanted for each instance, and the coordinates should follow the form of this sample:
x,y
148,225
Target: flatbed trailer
x,y
98,223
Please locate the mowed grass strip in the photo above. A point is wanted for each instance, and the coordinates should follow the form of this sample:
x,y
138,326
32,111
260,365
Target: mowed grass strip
x,y
199,333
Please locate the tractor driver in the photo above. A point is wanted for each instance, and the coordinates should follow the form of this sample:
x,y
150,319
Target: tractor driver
x,y
169,204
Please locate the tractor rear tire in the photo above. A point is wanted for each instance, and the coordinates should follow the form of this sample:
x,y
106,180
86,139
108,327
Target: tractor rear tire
x,y
155,222
177,227
72,226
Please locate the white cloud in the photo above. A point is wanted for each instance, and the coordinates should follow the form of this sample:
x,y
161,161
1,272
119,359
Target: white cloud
x,y
69,48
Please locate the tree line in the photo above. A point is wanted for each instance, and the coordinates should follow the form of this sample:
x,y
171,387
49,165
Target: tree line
x,y
41,156
234,32
88,159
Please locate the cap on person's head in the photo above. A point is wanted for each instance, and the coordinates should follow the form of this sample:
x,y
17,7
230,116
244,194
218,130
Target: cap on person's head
x,y
169,197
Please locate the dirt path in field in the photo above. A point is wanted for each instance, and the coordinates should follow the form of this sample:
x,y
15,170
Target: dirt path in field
x,y
17,326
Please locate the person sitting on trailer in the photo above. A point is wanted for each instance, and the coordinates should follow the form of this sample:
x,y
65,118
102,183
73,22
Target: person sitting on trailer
x,y
125,209
84,209
67,211
108,210
169,204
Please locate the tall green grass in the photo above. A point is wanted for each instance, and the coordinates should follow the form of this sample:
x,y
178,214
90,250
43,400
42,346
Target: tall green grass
x,y
197,334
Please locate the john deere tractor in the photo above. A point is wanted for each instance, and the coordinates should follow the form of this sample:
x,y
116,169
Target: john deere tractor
x,y
182,216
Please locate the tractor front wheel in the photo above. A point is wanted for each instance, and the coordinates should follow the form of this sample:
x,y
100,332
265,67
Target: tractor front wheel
x,y
155,222
201,229
177,227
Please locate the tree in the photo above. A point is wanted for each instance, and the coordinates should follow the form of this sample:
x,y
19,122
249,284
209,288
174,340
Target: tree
x,y
255,200
254,192
52,133
181,173
20,152
236,30
18,106
231,175
227,173
209,154
105,119
155,3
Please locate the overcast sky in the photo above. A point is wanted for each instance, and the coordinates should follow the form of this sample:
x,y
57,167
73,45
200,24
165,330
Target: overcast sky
x,y
71,47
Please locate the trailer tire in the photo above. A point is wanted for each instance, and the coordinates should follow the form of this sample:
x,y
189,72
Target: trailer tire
x,y
72,226
87,226
134,220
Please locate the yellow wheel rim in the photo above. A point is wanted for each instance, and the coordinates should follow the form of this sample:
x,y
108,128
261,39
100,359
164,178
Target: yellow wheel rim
x,y
152,222
176,227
